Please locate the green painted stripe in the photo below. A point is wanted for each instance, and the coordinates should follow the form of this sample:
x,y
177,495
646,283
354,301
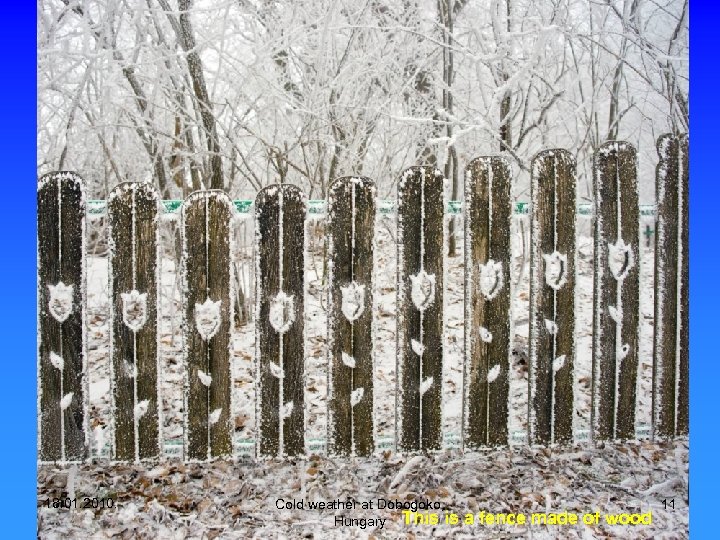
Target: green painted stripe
x,y
387,206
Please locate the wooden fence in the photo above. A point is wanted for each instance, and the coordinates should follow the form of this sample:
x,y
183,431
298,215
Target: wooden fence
x,y
208,305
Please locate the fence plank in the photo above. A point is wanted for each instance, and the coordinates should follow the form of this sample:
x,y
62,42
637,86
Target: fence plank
x,y
616,298
279,350
552,298
350,231
671,347
487,302
208,308
62,384
420,268
133,214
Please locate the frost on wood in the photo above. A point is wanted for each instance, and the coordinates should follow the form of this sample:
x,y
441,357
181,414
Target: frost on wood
x,y
555,269
356,395
348,360
208,318
493,373
616,297
492,279
134,312
485,335
420,267
552,298
551,327
61,319
130,370
207,311
204,377
282,312
279,327
66,401
141,408
353,301
621,259
57,361
350,230
417,347
425,385
422,291
670,348
133,209
214,416
276,370
488,296
61,300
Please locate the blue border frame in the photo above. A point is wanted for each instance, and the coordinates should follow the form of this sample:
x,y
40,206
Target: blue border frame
x,y
704,301
18,272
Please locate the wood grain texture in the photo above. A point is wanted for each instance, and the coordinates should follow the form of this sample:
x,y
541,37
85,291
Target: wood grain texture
x,y
671,345
487,242
615,344
280,266
421,245
550,388
350,233
206,217
133,210
61,252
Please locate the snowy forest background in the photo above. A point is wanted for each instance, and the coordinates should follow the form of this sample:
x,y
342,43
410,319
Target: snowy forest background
x,y
244,93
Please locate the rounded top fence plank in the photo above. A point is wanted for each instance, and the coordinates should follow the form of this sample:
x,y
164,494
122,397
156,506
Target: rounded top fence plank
x,y
271,191
345,181
541,160
415,174
489,161
218,194
144,189
609,147
63,176
664,142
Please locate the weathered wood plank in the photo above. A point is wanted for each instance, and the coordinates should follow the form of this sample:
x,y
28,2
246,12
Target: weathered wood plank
x,y
133,210
279,330
487,302
671,346
552,298
682,422
350,233
616,298
420,309
62,383
208,309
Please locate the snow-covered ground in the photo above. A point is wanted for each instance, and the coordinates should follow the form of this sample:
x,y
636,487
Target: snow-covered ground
x,y
237,500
